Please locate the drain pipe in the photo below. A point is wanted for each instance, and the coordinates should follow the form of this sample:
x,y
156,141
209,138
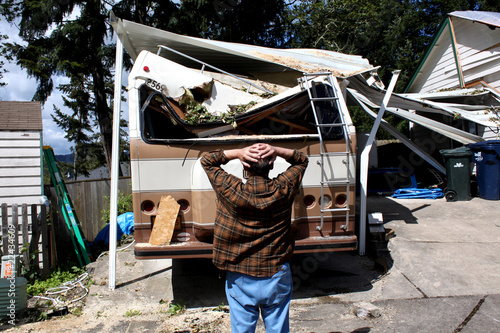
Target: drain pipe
x,y
365,158
115,163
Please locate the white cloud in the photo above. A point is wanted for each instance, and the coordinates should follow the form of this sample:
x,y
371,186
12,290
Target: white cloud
x,y
19,86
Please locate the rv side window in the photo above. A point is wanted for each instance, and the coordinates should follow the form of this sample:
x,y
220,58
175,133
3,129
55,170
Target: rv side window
x,y
163,119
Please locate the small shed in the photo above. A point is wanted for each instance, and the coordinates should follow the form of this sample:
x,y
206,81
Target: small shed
x,y
461,65
21,152
21,186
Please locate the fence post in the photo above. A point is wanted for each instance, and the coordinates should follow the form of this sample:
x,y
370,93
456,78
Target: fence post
x,y
24,228
35,235
45,241
5,223
15,225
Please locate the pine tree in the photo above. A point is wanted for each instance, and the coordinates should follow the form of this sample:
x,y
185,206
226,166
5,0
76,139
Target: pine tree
x,y
75,48
2,70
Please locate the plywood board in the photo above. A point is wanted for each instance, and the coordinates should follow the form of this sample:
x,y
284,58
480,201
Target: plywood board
x,y
163,227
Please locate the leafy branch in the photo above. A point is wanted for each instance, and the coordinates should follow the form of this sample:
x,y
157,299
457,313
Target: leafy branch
x,y
496,115
197,114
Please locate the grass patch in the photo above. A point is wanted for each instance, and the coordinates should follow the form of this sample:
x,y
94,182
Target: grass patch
x,y
39,287
177,308
132,313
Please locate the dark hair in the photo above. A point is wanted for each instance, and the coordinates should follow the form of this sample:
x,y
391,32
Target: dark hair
x,y
261,167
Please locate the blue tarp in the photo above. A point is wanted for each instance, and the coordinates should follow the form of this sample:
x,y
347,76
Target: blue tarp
x,y
418,193
125,226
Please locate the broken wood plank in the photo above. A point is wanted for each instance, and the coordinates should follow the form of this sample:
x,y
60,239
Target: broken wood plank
x,y
164,224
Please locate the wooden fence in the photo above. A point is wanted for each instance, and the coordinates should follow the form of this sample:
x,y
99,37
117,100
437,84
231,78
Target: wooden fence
x,y
29,231
90,198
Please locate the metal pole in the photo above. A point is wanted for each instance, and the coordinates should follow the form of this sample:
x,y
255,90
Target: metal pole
x,y
365,157
115,163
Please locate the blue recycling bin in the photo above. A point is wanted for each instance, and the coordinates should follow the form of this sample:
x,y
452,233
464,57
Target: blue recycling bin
x,y
486,155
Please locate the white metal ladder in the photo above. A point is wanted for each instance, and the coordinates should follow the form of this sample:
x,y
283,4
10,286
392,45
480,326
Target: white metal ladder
x,y
337,99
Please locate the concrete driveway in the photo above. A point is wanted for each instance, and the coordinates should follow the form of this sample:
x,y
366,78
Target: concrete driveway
x,y
443,273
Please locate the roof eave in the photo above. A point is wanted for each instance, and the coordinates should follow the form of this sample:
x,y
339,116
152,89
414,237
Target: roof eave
x,y
445,23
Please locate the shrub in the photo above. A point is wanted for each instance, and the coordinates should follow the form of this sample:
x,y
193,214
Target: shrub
x,y
124,206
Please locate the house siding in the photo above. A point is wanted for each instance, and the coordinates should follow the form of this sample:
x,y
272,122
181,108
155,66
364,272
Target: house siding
x,y
479,58
444,74
478,54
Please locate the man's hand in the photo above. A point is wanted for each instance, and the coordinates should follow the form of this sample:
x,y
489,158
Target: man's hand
x,y
260,151
272,151
265,151
249,154
245,155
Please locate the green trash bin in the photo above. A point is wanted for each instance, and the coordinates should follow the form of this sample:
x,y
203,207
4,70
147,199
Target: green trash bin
x,y
458,163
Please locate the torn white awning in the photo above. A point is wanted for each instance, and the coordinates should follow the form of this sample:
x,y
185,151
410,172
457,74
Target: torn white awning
x,y
488,18
473,111
234,57
446,130
478,114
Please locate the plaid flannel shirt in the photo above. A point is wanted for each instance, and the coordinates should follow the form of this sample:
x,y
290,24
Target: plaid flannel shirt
x,y
252,233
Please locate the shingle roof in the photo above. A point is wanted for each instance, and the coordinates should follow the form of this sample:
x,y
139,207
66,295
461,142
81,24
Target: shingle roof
x,y
20,116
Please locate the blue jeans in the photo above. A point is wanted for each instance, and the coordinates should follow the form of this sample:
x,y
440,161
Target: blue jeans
x,y
271,295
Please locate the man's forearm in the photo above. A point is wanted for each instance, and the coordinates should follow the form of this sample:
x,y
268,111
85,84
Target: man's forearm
x,y
284,153
232,154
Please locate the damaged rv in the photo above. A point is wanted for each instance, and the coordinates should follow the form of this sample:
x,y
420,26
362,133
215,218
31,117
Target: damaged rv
x,y
188,96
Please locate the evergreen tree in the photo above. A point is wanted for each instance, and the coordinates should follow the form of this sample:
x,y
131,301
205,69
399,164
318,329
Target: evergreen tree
x,y
75,48
256,22
2,70
76,131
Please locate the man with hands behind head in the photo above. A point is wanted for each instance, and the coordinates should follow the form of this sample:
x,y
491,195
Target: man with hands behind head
x,y
253,240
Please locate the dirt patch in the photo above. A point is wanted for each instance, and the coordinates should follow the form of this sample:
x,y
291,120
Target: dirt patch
x,y
141,302
199,320
146,290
